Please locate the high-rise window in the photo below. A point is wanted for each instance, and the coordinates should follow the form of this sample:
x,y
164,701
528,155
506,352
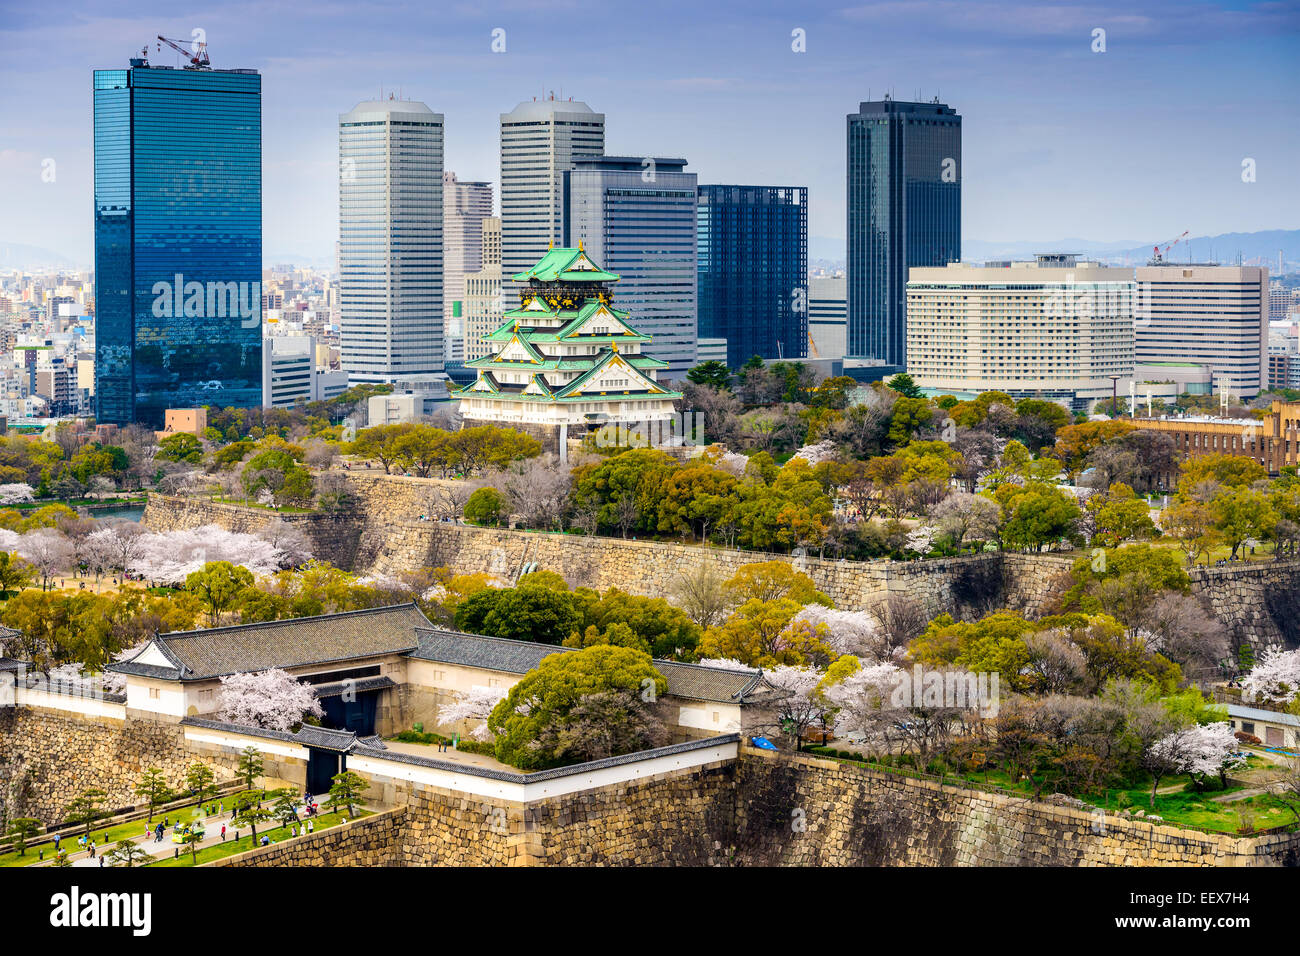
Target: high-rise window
x,y
178,240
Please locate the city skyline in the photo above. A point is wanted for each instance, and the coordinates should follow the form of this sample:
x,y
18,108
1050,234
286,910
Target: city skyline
x,y
1149,126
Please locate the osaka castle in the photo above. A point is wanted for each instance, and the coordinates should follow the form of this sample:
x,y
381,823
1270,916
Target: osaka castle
x,y
566,357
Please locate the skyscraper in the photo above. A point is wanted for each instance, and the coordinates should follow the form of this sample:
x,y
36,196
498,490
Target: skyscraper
x,y
390,241
484,311
752,264
904,211
636,216
539,141
464,207
178,240
1206,314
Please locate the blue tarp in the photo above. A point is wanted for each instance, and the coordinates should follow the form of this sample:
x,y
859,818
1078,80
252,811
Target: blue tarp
x,y
762,743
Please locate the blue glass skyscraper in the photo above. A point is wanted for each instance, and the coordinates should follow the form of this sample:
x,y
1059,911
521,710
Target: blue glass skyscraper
x,y
752,254
178,240
904,210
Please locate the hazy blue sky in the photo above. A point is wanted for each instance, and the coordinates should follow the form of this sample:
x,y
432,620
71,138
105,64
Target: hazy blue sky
x,y
1140,142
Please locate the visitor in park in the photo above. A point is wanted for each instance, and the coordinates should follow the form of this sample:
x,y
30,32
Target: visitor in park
x,y
311,827
58,838
223,833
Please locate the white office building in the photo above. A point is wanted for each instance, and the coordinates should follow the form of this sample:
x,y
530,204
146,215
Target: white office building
x,y
828,317
465,206
1057,328
1209,315
539,141
390,240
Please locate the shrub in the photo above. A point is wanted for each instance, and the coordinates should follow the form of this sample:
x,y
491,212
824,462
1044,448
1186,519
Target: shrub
x,y
1246,738
485,507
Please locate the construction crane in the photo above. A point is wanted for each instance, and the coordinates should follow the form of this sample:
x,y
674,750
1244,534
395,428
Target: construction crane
x,y
1158,256
198,61
812,346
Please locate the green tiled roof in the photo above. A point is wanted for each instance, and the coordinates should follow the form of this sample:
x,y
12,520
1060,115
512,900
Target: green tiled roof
x,y
556,266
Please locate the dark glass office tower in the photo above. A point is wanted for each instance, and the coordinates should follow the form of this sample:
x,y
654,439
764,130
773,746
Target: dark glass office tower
x,y
178,240
904,210
752,253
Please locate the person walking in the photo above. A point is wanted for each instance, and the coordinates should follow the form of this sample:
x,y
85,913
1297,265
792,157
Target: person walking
x,y
223,833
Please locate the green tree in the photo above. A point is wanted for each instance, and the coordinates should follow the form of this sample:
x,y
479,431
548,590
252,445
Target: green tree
x,y
766,634
22,829
346,790
250,765
126,853
904,385
529,612
15,574
201,780
248,810
84,808
219,586
1240,514
153,787
278,473
380,443
486,507
180,447
1035,514
543,699
772,580
192,838
712,373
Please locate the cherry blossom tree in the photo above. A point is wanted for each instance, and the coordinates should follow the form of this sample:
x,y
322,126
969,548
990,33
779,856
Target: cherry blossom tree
x,y
115,545
851,632
13,494
921,540
816,453
48,551
171,556
476,704
1275,677
1203,750
865,713
271,699
799,705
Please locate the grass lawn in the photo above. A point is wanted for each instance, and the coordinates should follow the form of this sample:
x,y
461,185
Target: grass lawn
x,y
104,839
1182,806
277,834
250,503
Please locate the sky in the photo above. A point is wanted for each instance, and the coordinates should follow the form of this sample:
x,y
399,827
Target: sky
x,y
1139,142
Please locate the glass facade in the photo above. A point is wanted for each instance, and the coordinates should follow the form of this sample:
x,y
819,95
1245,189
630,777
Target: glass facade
x,y
752,270
636,216
904,210
178,241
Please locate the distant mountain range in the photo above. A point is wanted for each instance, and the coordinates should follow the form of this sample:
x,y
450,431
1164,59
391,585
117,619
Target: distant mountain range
x,y
1253,248
16,255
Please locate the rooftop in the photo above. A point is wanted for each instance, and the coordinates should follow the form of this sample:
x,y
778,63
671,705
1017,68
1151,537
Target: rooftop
x,y
298,642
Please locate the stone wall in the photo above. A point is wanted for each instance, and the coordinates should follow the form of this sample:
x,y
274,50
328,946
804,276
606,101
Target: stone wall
x,y
370,841
1259,603
47,759
764,810
331,537
803,811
